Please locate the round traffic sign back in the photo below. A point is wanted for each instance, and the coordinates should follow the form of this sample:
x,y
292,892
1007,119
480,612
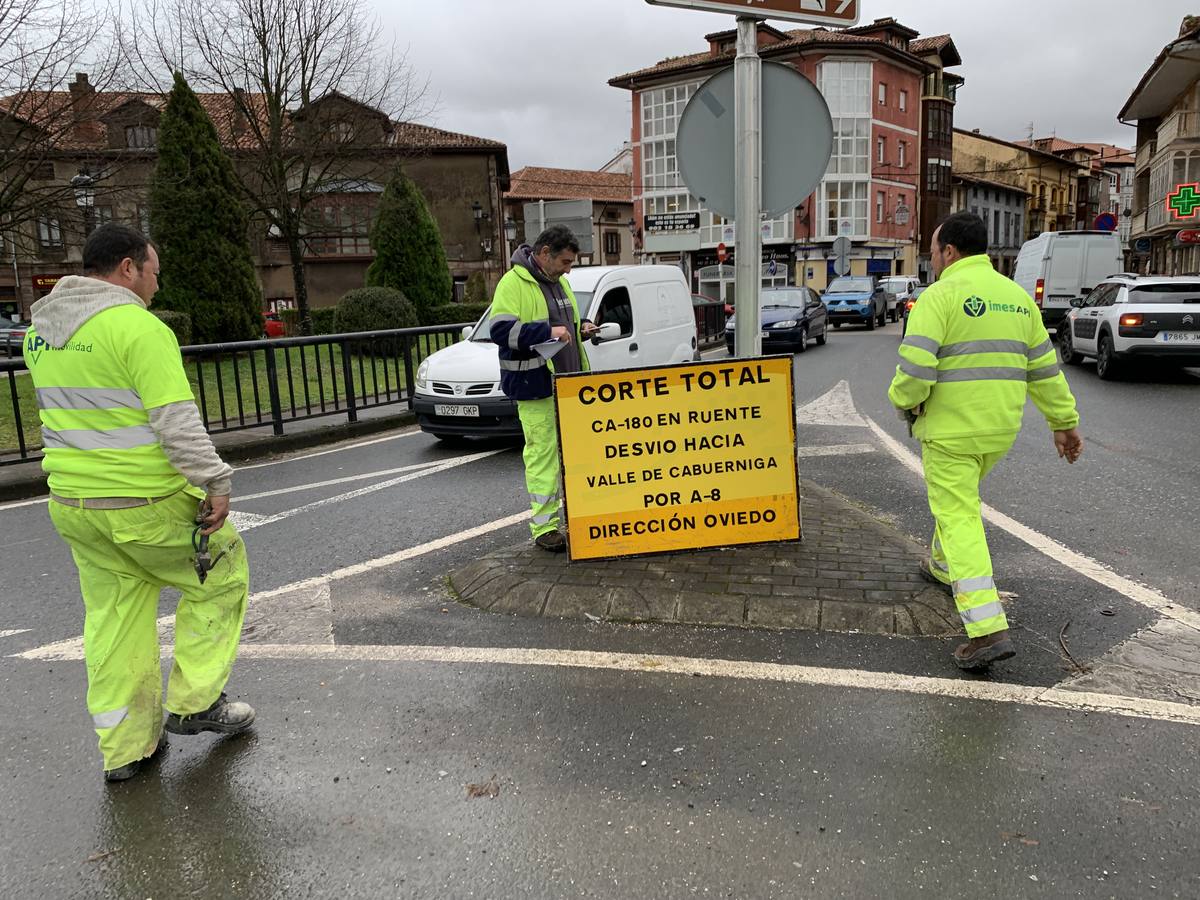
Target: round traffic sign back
x,y
797,140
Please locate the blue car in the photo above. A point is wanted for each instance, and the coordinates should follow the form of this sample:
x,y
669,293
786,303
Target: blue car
x,y
856,300
790,318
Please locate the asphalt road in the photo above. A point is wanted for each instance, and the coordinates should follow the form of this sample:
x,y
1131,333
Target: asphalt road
x,y
637,779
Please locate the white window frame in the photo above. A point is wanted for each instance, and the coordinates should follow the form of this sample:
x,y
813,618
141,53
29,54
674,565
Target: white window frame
x,y
902,154
903,101
881,149
844,193
880,206
882,92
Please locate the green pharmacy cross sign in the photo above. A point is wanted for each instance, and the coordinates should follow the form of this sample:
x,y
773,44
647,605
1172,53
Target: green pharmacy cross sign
x,y
1184,201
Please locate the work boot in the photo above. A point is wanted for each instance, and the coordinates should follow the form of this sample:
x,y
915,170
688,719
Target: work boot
x,y
223,716
552,541
926,569
127,771
981,652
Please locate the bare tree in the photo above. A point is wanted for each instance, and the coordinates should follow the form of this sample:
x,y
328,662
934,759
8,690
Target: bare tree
x,y
43,43
314,95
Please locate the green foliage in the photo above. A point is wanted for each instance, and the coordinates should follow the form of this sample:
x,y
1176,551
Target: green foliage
x,y
453,313
477,291
408,247
199,227
373,309
291,321
324,320
178,322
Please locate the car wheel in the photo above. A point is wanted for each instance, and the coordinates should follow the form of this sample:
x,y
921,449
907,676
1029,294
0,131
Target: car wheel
x,y
1107,366
837,324
823,336
871,323
803,343
1066,347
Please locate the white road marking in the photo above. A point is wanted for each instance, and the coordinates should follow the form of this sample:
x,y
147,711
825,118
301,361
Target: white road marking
x,y
834,407
360,444
17,504
258,520
1083,565
13,631
72,648
835,450
855,679
348,478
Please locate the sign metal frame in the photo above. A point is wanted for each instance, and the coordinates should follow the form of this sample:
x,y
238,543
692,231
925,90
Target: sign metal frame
x,y
838,13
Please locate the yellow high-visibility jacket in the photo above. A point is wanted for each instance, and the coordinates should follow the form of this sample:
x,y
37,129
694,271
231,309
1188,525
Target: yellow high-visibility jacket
x,y
975,348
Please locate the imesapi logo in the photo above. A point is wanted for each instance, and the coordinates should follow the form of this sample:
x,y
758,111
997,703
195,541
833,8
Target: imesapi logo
x,y
974,307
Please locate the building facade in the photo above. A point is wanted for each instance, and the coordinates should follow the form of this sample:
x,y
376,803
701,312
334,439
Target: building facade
x,y
875,79
1166,193
607,195
111,150
1002,208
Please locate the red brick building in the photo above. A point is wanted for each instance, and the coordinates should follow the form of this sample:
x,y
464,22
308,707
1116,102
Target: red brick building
x,y
880,83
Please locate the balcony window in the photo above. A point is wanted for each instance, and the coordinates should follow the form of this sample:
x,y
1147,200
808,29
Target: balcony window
x,y
141,137
342,227
49,233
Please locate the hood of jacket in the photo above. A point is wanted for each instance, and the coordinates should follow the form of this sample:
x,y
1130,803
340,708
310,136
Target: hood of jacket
x,y
74,300
522,258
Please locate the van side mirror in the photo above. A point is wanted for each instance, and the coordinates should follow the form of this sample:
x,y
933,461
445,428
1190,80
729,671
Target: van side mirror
x,y
466,332
609,331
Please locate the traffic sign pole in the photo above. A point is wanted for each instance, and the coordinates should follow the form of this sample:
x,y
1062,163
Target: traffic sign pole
x,y
747,68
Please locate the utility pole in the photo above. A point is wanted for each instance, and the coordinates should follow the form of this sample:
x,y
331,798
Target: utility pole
x,y
747,73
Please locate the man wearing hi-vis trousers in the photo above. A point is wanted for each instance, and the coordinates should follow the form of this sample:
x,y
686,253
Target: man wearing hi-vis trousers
x,y
140,496
975,348
533,305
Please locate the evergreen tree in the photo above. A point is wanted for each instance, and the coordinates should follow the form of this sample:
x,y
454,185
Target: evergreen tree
x,y
199,227
408,247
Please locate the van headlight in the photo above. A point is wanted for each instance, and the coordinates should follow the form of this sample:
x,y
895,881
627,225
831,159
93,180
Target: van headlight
x,y
423,375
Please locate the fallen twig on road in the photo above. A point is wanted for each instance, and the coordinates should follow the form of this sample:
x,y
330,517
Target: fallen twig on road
x,y
1080,668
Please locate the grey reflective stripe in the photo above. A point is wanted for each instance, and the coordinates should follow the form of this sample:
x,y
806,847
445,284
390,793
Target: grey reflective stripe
x,y
502,318
979,614
88,398
522,365
984,373
966,585
966,347
541,498
941,567
93,439
929,345
925,373
514,335
1038,352
110,719
546,519
1044,373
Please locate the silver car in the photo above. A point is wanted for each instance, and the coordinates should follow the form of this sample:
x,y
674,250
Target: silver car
x,y
11,335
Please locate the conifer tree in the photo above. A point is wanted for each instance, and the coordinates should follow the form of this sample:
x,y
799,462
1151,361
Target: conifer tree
x,y
409,255
199,227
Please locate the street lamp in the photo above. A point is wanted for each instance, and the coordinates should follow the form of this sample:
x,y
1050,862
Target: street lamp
x,y
83,186
510,229
477,211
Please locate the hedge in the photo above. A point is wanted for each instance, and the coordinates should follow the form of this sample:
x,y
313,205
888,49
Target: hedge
x,y
453,313
178,322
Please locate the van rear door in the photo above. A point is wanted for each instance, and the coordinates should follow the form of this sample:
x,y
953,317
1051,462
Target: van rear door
x,y
1102,259
1064,272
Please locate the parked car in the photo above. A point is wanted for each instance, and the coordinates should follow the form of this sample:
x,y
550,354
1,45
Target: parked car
x,y
1057,267
856,300
646,312
899,289
273,325
1131,318
908,306
790,318
11,335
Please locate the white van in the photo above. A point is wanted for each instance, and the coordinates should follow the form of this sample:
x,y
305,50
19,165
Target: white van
x,y
899,289
458,389
1057,267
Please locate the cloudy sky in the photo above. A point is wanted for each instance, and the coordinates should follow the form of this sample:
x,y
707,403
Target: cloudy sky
x,y
534,73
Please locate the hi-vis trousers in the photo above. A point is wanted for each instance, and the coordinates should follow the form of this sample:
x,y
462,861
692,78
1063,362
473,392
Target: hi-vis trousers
x,y
125,558
541,463
959,554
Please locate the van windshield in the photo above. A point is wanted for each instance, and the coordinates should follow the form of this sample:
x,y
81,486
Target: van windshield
x,y
850,286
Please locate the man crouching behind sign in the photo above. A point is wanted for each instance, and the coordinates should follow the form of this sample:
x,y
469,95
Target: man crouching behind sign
x,y
534,306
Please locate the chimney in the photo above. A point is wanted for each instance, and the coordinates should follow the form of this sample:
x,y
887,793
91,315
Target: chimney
x,y
81,87
1190,23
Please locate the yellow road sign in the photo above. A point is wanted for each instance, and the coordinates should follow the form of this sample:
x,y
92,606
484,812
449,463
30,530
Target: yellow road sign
x,y
679,457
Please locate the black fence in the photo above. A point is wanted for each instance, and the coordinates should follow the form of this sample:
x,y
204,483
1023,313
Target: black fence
x,y
710,322
261,384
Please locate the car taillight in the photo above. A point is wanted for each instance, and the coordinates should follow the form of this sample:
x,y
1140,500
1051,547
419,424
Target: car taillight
x,y
1039,291
1132,321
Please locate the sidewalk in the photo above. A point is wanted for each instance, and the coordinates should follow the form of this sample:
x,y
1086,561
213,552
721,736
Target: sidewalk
x,y
24,480
850,573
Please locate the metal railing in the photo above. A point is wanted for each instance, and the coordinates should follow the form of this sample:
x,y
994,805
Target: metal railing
x,y
710,323
268,383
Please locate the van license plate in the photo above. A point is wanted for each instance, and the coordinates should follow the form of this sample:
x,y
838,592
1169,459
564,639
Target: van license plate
x,y
442,409
1179,337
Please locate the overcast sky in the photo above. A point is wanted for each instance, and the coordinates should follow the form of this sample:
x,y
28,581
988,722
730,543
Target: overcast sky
x,y
534,74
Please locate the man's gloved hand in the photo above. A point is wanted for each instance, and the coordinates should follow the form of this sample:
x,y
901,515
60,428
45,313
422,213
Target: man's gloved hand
x,y
1069,444
213,512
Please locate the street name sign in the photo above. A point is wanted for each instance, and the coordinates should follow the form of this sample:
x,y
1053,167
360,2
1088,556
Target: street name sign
x,y
838,13
678,457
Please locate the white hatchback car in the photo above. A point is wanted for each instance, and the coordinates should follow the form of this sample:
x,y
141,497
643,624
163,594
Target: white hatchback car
x,y
1128,318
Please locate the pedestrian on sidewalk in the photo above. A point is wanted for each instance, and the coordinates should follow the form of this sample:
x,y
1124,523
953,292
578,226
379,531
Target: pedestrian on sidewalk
x,y
137,491
534,305
975,348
